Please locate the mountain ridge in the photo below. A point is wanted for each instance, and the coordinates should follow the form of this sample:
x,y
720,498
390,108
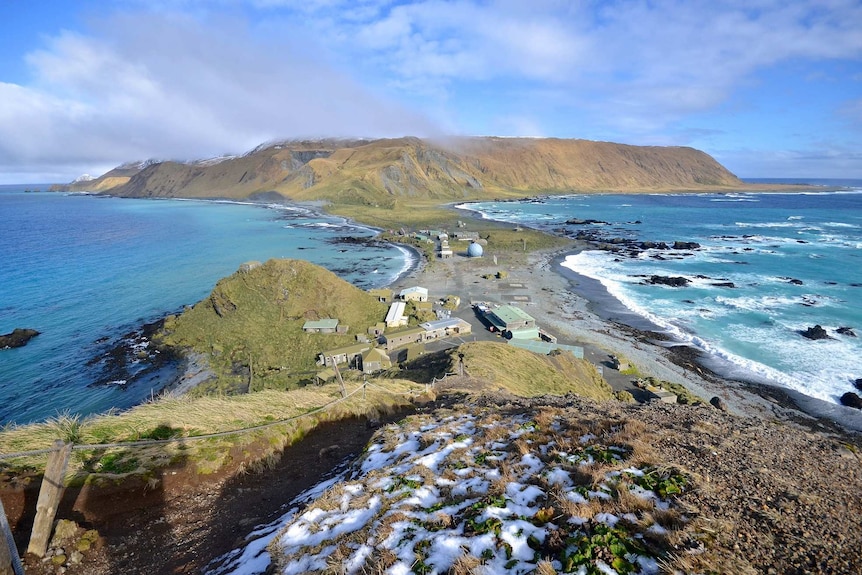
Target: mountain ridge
x,y
384,171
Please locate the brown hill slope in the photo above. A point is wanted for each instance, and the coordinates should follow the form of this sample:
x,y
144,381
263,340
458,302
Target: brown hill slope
x,y
380,172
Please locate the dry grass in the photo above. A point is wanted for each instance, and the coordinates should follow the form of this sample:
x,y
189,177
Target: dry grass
x,y
526,374
184,418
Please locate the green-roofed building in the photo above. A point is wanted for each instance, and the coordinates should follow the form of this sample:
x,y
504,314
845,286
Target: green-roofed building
x,y
510,318
320,326
544,347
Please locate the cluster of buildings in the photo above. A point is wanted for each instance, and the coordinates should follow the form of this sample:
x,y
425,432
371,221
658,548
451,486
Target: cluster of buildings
x,y
443,238
373,350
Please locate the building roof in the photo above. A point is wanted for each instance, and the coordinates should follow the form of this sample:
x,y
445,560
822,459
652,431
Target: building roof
x,y
545,348
403,332
350,349
396,311
511,314
375,353
321,324
441,324
414,289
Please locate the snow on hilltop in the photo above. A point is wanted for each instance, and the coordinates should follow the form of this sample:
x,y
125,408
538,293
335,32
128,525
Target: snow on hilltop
x,y
478,492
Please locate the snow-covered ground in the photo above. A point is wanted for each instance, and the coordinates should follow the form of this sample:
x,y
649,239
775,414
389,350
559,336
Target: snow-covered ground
x,y
482,493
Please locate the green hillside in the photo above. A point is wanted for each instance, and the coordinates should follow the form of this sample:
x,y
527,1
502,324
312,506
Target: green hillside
x,y
250,327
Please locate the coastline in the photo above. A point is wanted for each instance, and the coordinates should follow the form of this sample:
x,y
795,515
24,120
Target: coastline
x,y
580,311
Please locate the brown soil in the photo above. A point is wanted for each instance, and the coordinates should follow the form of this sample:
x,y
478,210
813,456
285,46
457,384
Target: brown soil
x,y
185,520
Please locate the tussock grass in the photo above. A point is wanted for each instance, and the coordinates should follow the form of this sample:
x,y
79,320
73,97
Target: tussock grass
x,y
527,374
184,418
250,326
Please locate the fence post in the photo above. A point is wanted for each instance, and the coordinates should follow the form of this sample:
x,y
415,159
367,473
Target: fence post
x,y
10,562
50,495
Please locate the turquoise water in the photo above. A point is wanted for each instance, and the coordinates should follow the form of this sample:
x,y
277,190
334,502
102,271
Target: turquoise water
x,y
795,261
86,270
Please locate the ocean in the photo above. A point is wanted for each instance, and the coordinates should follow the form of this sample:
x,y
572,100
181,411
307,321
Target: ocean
x,y
769,266
88,271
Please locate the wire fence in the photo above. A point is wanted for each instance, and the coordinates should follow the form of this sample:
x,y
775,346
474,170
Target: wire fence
x,y
148,442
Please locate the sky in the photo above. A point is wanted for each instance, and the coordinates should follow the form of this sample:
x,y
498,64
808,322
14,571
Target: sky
x,y
770,88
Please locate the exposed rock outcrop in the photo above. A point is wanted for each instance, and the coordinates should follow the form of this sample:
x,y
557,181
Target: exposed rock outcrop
x,y
851,399
816,332
18,337
677,281
848,331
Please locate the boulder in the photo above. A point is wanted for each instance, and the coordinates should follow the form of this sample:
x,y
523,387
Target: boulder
x,y
848,331
724,284
17,338
858,384
686,245
816,332
718,403
851,399
668,281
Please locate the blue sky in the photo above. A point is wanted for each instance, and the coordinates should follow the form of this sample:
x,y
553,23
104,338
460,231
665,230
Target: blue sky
x,y
770,88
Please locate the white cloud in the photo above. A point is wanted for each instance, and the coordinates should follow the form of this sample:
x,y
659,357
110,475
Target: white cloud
x,y
169,86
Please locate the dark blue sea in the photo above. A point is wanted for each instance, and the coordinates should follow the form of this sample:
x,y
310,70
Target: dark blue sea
x,y
87,272
794,260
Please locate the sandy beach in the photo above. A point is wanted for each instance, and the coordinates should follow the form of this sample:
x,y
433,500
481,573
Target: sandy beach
x,y
552,294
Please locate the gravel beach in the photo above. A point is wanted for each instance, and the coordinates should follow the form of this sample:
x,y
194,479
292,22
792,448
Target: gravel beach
x,y
596,321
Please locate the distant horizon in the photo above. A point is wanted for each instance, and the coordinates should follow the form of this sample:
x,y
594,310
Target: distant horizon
x,y
748,179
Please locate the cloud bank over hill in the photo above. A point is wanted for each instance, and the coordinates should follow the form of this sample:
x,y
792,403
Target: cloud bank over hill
x,y
178,88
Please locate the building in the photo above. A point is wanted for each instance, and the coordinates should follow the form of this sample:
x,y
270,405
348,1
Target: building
x,y
545,347
377,329
375,359
402,337
351,355
383,295
414,293
445,328
513,322
395,316
320,326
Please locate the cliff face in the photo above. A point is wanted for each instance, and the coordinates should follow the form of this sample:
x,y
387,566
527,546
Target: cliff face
x,y
382,171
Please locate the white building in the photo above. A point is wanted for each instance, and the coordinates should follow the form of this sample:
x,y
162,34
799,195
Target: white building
x,y
414,293
395,316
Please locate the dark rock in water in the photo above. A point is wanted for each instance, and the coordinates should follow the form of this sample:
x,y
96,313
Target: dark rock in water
x,y
688,301
18,337
816,332
851,399
580,222
794,281
724,284
668,281
858,384
718,403
848,331
686,245
653,246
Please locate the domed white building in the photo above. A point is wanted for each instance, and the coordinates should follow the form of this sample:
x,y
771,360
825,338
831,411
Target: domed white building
x,y
475,250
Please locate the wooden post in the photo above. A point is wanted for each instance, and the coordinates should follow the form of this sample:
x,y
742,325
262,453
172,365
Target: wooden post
x,y
338,375
50,495
10,563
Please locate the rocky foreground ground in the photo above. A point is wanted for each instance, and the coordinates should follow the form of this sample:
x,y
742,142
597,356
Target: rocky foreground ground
x,y
728,495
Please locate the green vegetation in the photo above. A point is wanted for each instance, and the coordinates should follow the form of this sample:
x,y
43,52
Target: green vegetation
x,y
527,374
250,327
